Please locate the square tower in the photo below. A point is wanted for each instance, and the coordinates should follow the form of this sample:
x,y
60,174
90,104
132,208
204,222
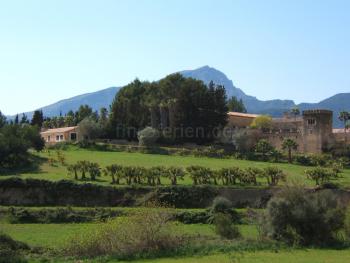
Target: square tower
x,y
317,130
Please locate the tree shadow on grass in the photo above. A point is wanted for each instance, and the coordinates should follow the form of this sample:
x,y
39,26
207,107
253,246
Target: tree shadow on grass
x,y
32,165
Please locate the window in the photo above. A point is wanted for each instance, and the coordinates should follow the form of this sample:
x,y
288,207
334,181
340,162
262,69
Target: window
x,y
311,122
57,138
61,137
48,138
73,136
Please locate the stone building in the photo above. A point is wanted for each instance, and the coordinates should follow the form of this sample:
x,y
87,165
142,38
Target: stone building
x,y
312,130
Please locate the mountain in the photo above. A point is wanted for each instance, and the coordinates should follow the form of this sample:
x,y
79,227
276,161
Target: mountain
x,y
275,108
104,98
96,100
336,103
253,105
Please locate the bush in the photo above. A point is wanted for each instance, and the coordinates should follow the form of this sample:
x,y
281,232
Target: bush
x,y
89,129
58,215
148,136
304,160
220,205
273,175
147,232
297,217
15,141
320,175
347,223
224,227
11,250
190,217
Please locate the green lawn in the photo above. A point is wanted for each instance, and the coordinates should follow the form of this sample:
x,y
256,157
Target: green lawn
x,y
58,172
54,235
283,256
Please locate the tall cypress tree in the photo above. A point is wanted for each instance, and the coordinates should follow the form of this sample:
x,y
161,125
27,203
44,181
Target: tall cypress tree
x,y
2,120
24,119
38,118
16,119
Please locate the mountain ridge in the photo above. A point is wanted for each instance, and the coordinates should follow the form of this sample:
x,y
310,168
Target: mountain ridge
x,y
276,107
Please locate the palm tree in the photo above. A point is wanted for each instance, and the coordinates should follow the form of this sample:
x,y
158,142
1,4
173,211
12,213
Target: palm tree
x,y
344,116
295,112
194,173
273,175
290,145
175,173
73,169
128,173
252,173
83,166
94,170
114,172
223,174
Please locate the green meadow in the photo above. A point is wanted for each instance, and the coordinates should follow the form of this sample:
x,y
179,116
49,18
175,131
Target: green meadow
x,y
57,171
53,236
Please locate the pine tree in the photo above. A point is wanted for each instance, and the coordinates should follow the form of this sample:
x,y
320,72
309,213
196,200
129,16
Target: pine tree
x,y
2,120
236,105
16,119
38,118
24,119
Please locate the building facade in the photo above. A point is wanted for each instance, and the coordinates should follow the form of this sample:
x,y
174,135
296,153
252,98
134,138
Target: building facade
x,y
312,131
66,134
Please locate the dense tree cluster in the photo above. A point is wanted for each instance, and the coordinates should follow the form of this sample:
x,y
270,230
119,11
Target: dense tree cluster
x,y
236,105
184,109
74,118
15,141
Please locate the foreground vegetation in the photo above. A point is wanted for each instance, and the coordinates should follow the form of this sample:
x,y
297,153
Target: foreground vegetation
x,y
147,235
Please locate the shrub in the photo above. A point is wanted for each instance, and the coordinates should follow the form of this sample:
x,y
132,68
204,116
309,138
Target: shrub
x,y
220,205
15,141
320,175
11,250
148,136
297,217
262,122
58,215
175,174
200,174
229,175
273,175
89,128
147,232
264,147
224,227
347,223
61,157
250,175
303,160
191,217
320,159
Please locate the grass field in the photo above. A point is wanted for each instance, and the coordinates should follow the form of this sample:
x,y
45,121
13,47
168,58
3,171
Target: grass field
x,y
282,256
58,172
55,235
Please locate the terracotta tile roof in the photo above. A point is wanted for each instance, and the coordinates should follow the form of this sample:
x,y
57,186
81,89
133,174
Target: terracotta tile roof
x,y
59,130
239,114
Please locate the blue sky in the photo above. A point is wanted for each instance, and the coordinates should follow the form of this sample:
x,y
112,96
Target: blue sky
x,y
51,50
